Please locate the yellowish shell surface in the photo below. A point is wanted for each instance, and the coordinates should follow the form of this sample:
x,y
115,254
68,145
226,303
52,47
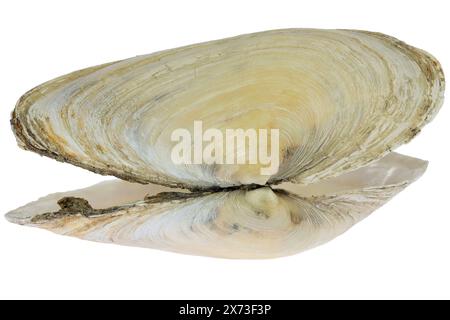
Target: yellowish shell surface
x,y
340,99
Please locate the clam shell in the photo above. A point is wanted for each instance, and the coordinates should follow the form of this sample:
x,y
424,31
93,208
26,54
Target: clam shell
x,y
243,223
340,98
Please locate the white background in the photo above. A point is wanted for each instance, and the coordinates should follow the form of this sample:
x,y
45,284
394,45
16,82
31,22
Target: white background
x,y
401,251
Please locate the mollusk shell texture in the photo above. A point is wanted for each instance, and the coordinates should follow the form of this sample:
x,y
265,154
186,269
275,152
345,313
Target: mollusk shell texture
x,y
341,99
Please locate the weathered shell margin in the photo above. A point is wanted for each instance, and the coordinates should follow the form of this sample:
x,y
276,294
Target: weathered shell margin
x,y
70,206
435,77
27,141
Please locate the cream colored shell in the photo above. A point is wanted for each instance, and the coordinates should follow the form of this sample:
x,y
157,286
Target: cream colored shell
x,y
257,223
342,100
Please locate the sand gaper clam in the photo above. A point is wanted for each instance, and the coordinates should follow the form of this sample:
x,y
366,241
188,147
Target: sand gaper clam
x,y
341,101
